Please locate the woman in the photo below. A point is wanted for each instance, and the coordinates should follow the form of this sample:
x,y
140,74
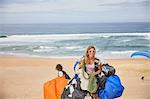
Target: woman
x,y
90,68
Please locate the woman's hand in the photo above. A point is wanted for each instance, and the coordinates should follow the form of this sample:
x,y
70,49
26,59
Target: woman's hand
x,y
97,72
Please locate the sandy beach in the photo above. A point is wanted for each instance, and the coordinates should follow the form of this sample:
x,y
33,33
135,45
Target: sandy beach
x,y
23,77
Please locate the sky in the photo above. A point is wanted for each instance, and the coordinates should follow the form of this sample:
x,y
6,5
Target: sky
x,y
73,11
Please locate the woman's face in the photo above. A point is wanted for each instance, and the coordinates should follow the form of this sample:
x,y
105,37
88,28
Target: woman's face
x,y
91,53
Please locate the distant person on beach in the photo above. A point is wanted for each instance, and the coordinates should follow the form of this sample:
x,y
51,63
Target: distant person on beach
x,y
91,66
61,72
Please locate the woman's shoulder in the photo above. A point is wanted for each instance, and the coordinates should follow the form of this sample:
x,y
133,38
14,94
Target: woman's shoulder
x,y
100,60
97,59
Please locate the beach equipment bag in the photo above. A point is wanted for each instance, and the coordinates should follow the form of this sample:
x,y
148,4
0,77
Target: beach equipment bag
x,y
78,93
113,88
54,88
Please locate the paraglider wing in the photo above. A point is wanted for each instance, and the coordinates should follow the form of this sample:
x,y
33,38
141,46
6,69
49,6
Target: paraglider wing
x,y
146,54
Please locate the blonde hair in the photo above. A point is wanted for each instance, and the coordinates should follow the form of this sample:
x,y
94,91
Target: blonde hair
x,y
87,60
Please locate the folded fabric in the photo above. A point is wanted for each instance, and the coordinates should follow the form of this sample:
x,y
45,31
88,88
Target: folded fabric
x,y
92,85
54,88
113,88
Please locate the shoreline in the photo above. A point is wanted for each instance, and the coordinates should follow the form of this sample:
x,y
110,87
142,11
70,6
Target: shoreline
x,y
67,57
105,57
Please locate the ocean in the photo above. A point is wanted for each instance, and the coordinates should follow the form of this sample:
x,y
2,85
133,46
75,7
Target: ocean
x,y
112,40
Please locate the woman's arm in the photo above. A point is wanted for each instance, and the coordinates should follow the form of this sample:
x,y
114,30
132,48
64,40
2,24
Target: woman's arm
x,y
99,70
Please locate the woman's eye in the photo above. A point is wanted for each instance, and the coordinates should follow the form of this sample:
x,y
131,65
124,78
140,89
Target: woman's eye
x,y
92,51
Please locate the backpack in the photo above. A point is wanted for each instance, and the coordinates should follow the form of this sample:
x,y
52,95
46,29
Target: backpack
x,y
113,88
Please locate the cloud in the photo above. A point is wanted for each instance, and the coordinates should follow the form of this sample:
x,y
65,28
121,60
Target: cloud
x,y
5,2
145,3
56,6
51,6
73,10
